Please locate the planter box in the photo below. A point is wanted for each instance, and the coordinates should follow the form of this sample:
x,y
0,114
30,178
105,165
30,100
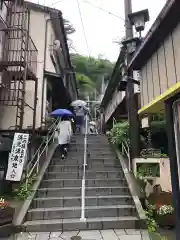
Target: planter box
x,y
6,215
164,178
140,161
166,221
6,230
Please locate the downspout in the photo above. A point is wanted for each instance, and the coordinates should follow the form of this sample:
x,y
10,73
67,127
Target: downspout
x,y
44,68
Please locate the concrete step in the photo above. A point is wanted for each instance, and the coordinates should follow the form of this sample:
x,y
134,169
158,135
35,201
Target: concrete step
x,y
91,163
89,174
93,147
128,222
76,201
78,182
94,155
75,212
74,168
78,158
76,191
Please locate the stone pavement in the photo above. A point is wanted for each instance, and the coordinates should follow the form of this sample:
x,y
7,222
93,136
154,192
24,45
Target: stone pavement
x,y
116,234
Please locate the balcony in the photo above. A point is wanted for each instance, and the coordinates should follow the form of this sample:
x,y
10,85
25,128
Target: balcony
x,y
20,54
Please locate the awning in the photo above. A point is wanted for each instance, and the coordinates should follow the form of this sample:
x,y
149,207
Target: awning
x,y
59,91
157,105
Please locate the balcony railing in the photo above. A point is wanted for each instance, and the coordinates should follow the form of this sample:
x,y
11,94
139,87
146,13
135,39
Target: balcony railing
x,y
32,55
19,50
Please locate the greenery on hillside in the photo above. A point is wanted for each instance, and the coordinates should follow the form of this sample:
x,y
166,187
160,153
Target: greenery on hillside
x,y
89,70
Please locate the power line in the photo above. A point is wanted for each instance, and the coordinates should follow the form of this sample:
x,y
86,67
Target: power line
x,y
83,27
55,3
106,11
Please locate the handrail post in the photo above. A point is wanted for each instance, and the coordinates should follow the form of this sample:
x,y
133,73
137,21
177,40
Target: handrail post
x,y
83,219
37,166
47,142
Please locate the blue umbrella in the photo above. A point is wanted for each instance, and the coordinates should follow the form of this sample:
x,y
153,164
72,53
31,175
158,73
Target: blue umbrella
x,y
61,113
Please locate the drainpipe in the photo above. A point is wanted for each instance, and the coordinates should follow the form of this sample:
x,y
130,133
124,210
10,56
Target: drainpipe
x,y
44,68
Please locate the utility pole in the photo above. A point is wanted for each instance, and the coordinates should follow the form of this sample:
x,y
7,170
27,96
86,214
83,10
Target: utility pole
x,y
132,103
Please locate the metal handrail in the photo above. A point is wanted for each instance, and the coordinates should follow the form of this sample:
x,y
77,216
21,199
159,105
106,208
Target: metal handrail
x,y
83,187
34,163
125,149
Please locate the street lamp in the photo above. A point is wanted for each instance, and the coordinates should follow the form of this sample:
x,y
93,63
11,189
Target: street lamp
x,y
138,19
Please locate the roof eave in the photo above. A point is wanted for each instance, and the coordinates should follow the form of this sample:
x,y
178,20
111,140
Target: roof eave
x,y
113,81
159,30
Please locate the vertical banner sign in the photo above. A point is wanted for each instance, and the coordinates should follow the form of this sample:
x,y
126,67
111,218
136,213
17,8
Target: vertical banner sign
x,y
137,77
17,157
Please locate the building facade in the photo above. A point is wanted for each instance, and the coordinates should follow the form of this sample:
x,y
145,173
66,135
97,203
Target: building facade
x,y
113,103
157,59
35,65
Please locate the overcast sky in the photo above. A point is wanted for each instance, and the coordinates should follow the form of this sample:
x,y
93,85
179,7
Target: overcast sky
x,y
101,28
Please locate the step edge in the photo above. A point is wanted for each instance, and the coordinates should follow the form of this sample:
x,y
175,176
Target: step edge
x,y
77,220
102,187
52,209
79,197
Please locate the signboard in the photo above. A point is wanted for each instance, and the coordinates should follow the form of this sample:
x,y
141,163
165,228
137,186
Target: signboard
x,y
17,157
137,77
145,122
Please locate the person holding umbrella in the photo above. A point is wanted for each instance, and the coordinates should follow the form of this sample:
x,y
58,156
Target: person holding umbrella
x,y
63,130
80,110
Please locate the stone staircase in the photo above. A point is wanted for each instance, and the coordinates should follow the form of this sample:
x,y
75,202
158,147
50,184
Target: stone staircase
x,y
108,202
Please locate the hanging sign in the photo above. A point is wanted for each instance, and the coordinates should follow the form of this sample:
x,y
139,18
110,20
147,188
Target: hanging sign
x,y
145,122
17,157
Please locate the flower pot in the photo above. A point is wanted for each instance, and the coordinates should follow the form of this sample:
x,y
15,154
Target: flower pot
x,y
6,215
166,221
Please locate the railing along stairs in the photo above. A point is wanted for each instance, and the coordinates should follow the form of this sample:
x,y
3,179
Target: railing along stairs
x,y
124,149
34,166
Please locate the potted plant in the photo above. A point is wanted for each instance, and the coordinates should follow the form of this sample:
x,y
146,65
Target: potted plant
x,y
6,212
165,216
164,213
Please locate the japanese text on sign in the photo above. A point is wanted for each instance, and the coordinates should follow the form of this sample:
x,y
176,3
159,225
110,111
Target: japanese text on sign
x,y
17,157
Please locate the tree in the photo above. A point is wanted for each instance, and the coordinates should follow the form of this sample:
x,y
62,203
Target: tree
x,y
85,84
69,29
93,68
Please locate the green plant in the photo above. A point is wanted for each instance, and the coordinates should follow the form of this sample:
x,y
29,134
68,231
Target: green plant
x,y
119,134
151,223
25,189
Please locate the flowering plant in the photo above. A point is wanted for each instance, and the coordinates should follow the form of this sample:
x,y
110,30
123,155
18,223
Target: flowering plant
x,y
165,210
3,203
